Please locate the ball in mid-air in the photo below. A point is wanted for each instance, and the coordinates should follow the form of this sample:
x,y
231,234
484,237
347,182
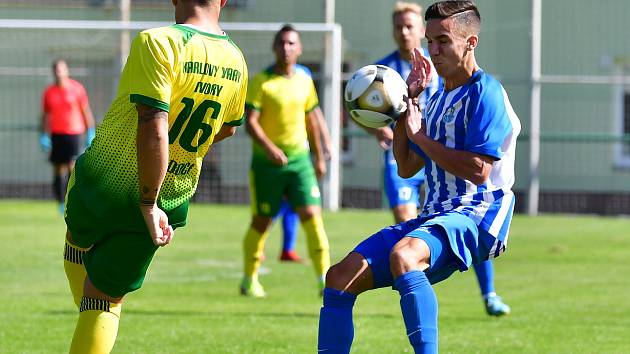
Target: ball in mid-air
x,y
375,96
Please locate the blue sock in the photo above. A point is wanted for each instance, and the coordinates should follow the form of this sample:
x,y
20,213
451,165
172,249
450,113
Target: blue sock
x,y
420,310
283,209
336,329
289,229
485,277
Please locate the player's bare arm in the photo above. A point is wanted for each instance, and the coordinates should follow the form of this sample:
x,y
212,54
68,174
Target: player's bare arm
x,y
464,164
152,150
44,123
313,130
383,135
325,133
88,117
225,132
408,162
274,153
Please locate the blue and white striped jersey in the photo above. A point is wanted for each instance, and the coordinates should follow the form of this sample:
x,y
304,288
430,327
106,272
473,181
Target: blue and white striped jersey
x,y
479,118
403,67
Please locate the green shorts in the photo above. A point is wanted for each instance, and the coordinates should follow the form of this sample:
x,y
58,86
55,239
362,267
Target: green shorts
x,y
270,183
121,246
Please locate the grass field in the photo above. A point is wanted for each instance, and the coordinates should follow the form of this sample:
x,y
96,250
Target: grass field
x,y
565,277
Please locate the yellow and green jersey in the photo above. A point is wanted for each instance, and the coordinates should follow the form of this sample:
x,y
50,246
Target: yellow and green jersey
x,y
200,79
283,103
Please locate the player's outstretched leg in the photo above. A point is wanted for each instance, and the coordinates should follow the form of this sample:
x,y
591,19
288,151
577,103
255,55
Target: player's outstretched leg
x,y
493,303
317,241
336,329
253,246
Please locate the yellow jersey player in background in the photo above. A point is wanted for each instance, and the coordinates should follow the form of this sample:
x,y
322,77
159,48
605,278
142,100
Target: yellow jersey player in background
x,y
183,88
282,119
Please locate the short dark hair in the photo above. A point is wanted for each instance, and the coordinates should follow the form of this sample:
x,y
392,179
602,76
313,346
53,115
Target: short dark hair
x,y
465,11
56,62
285,28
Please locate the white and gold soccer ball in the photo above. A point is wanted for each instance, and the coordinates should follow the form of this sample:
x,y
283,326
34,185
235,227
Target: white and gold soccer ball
x,y
375,96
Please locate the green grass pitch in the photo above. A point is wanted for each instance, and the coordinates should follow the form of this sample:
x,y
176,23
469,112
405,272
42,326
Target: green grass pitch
x,y
565,277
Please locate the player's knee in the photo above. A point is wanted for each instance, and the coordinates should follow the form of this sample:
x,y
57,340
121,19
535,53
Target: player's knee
x,y
261,223
405,259
308,212
335,277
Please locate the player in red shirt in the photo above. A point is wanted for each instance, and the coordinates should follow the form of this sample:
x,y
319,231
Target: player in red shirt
x,y
66,117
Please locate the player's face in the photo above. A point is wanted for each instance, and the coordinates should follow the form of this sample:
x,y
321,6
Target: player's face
x,y
408,30
288,48
447,47
61,70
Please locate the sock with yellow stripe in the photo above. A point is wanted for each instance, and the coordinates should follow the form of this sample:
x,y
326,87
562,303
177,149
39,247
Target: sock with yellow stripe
x,y
75,271
96,328
318,248
253,246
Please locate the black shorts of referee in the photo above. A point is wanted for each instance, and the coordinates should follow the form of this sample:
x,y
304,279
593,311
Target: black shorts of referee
x,y
65,147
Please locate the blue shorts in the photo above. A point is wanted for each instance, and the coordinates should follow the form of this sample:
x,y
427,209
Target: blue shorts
x,y
454,240
400,191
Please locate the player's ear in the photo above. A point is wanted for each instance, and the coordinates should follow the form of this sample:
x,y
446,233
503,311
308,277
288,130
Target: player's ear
x,y
471,42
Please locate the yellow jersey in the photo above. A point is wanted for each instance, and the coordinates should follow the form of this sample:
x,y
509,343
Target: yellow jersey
x,y
200,79
283,103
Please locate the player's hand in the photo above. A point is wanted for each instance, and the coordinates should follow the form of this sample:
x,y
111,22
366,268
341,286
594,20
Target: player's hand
x,y
320,168
327,151
157,222
384,136
277,156
420,74
413,118
44,142
89,136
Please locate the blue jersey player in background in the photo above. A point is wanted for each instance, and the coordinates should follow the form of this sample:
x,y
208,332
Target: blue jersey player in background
x,y
466,141
403,193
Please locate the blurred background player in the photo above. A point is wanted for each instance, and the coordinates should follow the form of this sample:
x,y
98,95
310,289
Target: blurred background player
x,y
466,140
403,193
66,117
287,214
132,187
281,120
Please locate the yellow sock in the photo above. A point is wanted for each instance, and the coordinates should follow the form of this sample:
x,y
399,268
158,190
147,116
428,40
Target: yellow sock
x,y
96,328
75,271
253,246
317,242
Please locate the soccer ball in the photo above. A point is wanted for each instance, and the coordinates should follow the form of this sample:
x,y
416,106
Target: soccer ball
x,y
375,96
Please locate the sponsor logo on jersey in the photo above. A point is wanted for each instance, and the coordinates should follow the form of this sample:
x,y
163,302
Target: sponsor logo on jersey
x,y
179,169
